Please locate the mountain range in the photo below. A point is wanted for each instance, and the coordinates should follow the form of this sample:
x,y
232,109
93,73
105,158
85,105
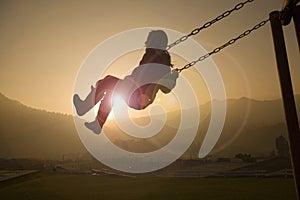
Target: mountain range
x,y
32,133
251,126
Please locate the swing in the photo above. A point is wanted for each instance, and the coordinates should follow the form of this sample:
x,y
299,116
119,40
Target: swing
x,y
216,50
208,24
145,91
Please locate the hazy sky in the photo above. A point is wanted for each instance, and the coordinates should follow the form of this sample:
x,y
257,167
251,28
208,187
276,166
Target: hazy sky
x,y
43,43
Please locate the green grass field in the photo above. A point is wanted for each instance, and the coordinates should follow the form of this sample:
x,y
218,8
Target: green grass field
x,y
82,186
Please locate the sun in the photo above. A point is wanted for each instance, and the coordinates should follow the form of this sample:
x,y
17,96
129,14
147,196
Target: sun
x,y
119,107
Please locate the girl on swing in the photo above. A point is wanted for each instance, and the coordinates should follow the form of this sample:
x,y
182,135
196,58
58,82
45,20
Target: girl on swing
x,y
137,89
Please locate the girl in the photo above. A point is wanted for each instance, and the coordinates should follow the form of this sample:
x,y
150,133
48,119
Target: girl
x,y
137,89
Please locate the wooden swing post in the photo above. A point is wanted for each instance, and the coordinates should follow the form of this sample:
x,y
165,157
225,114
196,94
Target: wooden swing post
x,y
296,19
277,20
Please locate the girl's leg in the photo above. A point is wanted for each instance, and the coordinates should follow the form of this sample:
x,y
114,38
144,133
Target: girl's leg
x,y
107,83
83,106
104,92
103,112
95,95
105,108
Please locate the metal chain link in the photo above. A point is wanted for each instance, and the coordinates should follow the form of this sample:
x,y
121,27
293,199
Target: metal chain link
x,y
218,49
208,24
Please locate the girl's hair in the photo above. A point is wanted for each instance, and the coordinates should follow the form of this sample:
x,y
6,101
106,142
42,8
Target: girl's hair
x,y
157,39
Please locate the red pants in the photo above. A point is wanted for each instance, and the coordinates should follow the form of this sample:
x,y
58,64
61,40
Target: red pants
x,y
139,99
105,86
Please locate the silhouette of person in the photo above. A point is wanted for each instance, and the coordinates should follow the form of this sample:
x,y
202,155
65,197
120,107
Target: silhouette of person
x,y
138,89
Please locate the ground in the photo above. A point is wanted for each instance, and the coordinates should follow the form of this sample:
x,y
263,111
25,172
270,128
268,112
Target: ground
x,y
55,185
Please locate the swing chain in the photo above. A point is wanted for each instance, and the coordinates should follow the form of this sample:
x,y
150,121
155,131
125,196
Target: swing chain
x,y
208,24
218,49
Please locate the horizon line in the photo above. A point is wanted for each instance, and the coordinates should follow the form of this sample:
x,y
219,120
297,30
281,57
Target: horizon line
x,y
71,114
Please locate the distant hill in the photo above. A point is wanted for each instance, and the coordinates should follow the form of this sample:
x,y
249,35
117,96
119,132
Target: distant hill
x,y
31,133
251,127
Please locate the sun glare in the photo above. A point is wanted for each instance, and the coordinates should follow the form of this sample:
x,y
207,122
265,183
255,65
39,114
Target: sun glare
x,y
118,107
120,110
96,108
118,104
